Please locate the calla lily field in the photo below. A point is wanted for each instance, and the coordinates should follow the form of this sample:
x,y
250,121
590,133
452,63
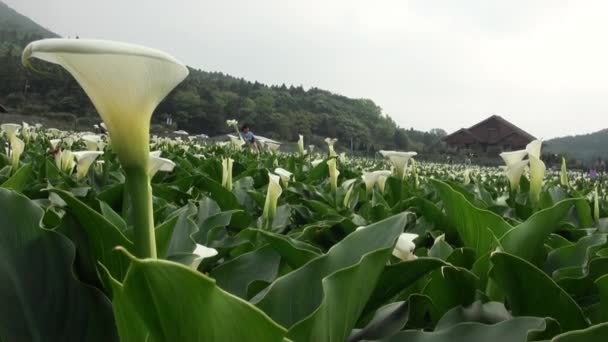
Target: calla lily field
x,y
117,235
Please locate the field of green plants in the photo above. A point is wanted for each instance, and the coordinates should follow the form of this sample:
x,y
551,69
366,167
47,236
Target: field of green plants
x,y
122,236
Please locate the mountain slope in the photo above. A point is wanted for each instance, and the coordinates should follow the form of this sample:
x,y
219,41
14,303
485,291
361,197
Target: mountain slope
x,y
585,147
12,21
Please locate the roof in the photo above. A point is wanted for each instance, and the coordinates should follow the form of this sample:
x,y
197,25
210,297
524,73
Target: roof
x,y
514,130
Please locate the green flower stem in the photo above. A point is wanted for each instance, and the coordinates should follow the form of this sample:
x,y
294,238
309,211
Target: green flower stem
x,y
140,192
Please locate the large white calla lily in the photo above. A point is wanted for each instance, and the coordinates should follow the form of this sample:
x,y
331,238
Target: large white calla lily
x,y
272,197
202,252
371,178
64,160
333,173
404,249
514,173
284,174
563,176
534,148
227,173
125,82
399,160
84,160
513,157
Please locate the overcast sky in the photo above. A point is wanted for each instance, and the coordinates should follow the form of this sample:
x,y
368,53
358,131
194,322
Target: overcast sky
x,y
543,65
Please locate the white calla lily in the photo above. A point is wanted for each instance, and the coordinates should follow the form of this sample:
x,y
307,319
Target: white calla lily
x,y
405,246
284,174
10,129
333,173
382,181
563,176
399,160
84,160
316,162
301,151
534,148
272,197
64,160
202,252
91,141
330,146
159,164
513,157
126,83
596,205
16,149
371,178
514,173
311,149
537,175
227,173
55,143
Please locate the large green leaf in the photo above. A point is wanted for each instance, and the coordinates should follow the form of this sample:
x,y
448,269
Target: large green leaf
x,y
526,239
164,301
596,333
103,236
308,297
236,275
516,329
476,227
530,292
41,298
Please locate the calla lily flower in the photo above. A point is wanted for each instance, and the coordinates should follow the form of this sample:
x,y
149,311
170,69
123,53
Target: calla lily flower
x,y
349,185
227,173
371,178
537,170
511,158
16,149
382,181
91,141
236,142
202,252
333,173
330,146
84,160
159,164
399,160
514,173
64,160
26,131
404,249
311,148
563,176
125,82
272,197
284,174
55,143
301,145
316,162
10,129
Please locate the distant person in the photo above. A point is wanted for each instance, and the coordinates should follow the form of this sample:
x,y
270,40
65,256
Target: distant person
x,y
248,136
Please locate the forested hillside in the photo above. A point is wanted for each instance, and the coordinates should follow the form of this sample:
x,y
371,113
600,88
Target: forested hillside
x,y
585,147
204,101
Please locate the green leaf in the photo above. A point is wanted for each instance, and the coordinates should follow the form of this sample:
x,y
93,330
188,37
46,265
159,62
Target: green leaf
x,y
166,301
295,253
526,239
516,329
397,277
20,179
236,275
41,298
602,285
531,292
450,287
308,297
596,333
476,227
103,236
